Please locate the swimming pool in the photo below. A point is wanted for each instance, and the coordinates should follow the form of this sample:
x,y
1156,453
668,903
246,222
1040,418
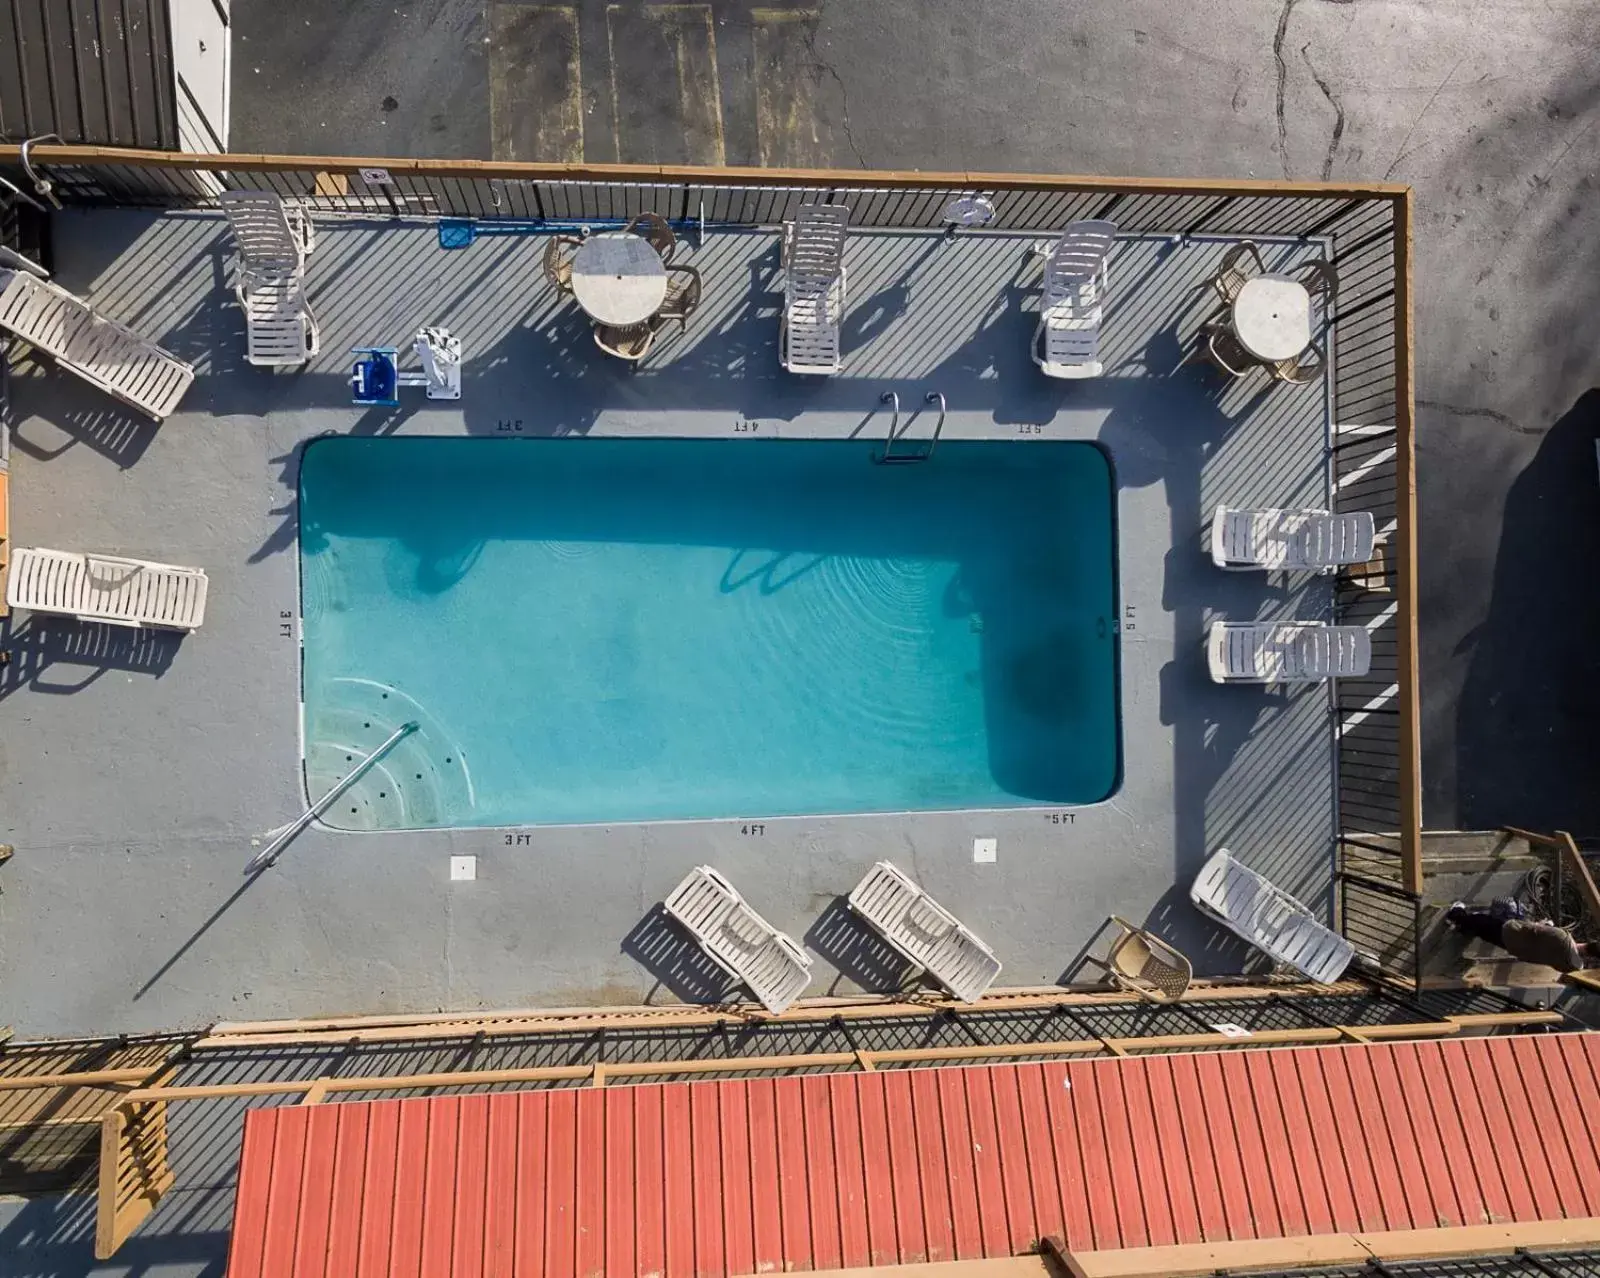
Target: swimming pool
x,y
595,630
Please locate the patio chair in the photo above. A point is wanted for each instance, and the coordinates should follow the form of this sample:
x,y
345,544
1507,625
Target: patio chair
x,y
771,964
1303,369
1371,576
1258,911
632,343
1319,279
653,228
924,932
271,237
103,352
683,297
1219,344
558,255
1287,652
121,592
1142,962
1066,342
814,295
1231,275
1307,540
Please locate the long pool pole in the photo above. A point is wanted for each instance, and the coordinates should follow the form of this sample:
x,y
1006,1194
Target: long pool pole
x,y
262,859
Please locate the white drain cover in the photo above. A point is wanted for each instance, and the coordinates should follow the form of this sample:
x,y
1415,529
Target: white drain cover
x,y
463,869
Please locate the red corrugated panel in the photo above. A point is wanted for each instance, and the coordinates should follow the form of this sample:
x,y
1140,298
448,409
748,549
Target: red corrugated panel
x,y
724,1178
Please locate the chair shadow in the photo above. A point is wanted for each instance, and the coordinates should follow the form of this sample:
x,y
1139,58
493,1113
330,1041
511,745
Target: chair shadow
x,y
81,415
31,647
1072,973
860,955
676,961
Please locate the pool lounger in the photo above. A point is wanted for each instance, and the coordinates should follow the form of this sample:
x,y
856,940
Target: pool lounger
x,y
1287,652
1066,342
1263,914
813,289
103,352
121,592
1308,540
743,943
925,932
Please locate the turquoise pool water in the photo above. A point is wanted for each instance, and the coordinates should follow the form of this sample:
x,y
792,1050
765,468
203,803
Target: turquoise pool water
x,y
593,630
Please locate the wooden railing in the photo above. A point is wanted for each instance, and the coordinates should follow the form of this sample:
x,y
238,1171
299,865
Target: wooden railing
x,y
134,1170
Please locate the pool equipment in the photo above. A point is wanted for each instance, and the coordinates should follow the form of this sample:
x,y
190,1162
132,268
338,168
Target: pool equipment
x,y
459,232
376,378
269,854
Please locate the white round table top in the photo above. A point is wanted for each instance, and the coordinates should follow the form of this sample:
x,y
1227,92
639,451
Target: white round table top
x,y
1272,317
618,278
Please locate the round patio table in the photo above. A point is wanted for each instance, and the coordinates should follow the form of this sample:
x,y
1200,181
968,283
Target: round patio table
x,y
618,278
1272,317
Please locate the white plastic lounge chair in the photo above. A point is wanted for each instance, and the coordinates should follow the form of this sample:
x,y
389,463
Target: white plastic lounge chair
x,y
1312,540
813,289
743,943
122,592
99,350
925,932
280,330
1269,918
273,239
1066,342
1287,652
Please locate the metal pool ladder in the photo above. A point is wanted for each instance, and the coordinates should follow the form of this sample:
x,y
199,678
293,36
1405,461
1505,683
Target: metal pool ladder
x,y
912,453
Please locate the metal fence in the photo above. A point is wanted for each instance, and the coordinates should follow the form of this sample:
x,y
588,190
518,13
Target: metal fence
x,y
1521,1263
1366,230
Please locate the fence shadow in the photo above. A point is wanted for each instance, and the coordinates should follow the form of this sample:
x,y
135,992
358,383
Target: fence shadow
x,y
55,1235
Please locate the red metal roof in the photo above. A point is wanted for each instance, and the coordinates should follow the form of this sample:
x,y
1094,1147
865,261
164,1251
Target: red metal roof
x,y
739,1177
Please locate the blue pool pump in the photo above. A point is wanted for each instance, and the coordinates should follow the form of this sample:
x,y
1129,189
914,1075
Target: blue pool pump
x,y
376,379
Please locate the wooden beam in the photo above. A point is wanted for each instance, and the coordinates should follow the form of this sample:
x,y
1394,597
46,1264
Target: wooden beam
x,y
1588,979
1507,1020
96,156
105,1215
89,1078
1531,836
1201,1260
1579,869
1408,700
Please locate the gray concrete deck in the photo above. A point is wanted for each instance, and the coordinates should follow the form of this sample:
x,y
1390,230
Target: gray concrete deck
x,y
141,771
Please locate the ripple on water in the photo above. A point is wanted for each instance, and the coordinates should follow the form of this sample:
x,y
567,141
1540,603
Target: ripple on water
x,y
856,637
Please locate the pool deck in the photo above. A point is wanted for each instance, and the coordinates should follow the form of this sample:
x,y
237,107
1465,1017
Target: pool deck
x,y
139,771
